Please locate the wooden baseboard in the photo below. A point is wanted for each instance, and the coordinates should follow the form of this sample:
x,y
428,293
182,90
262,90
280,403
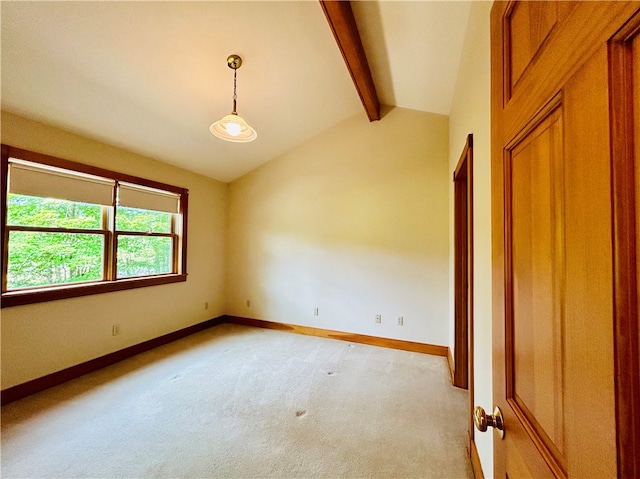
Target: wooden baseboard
x,y
475,461
354,338
40,384
450,363
54,379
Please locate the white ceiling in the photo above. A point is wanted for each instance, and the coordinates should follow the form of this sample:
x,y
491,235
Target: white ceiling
x,y
151,77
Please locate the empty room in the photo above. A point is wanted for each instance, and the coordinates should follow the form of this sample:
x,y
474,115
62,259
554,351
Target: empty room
x,y
320,239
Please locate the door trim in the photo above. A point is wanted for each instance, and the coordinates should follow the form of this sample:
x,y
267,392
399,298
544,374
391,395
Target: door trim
x,y
463,265
623,164
463,372
475,461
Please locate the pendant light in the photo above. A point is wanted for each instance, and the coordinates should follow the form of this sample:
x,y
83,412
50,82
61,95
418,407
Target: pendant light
x,y
232,127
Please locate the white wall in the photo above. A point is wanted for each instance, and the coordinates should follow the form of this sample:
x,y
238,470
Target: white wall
x,y
471,113
43,338
354,222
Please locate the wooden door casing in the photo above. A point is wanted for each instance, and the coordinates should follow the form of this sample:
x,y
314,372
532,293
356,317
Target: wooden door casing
x,y
624,60
554,314
463,271
463,372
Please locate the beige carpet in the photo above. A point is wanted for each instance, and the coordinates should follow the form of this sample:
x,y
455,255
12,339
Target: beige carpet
x,y
242,402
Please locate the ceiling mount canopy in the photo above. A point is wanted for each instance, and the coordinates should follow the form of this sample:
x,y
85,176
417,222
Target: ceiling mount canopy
x,y
233,127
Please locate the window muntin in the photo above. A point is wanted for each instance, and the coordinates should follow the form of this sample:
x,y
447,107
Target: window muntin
x,y
112,231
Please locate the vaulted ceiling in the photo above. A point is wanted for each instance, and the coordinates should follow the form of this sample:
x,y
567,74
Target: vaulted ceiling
x,y
151,77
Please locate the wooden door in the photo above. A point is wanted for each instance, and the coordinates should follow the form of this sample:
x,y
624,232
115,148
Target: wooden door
x,y
558,275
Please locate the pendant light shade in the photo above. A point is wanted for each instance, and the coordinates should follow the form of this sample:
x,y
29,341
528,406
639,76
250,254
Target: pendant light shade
x,y
233,127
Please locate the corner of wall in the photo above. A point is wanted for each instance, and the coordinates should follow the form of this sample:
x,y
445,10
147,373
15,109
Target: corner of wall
x,y
341,224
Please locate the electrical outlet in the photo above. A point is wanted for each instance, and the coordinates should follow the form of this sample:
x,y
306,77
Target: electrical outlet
x,y
315,311
400,321
378,318
115,330
248,303
206,305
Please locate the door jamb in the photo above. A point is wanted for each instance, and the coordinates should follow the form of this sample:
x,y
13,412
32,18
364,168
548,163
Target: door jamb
x,y
463,278
623,163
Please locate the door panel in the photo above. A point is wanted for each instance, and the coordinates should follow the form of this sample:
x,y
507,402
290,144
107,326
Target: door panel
x,y
554,240
529,24
534,182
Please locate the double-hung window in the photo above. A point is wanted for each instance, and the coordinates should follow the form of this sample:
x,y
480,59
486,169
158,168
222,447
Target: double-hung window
x,y
72,230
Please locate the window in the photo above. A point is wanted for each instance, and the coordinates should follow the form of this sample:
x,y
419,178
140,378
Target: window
x,y
71,229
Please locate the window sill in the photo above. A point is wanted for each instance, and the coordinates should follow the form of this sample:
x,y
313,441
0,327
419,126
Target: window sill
x,y
18,298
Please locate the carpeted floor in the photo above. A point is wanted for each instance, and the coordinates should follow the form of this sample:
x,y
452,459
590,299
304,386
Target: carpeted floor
x,y
241,402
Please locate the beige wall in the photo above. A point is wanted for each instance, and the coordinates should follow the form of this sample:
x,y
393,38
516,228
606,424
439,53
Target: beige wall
x,y
471,113
44,338
354,222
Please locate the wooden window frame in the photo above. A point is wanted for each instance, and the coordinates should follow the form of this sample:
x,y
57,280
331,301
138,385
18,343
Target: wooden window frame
x,y
109,281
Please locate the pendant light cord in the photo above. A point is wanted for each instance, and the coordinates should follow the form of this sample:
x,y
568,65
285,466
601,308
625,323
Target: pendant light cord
x,y
235,73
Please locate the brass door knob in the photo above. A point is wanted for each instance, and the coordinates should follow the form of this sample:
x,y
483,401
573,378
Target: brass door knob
x,y
482,421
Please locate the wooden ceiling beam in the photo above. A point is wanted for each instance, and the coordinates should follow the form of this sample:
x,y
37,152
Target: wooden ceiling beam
x,y
343,24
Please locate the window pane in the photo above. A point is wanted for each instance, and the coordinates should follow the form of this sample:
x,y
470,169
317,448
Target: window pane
x,y
144,221
39,259
144,255
23,210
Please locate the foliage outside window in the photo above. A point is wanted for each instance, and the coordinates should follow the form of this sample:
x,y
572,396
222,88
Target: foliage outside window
x,y
72,230
39,258
140,255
